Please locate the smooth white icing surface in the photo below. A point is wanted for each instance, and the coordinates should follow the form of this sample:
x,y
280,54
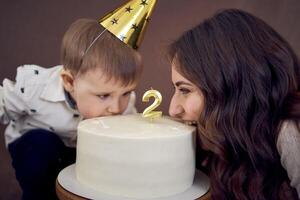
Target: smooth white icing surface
x,y
130,156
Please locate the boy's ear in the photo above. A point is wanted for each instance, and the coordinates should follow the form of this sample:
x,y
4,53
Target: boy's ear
x,y
68,80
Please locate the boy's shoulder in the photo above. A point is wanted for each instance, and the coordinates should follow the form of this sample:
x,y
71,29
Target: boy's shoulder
x,y
35,75
32,79
35,71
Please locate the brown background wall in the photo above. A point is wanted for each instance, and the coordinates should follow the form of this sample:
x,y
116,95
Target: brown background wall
x,y
31,32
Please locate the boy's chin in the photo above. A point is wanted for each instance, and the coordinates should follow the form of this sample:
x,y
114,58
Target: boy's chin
x,y
102,115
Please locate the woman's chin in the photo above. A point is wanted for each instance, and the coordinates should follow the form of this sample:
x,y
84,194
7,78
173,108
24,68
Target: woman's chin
x,y
190,123
187,122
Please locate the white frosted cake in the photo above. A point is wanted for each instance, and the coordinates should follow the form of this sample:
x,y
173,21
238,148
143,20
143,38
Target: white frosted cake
x,y
131,156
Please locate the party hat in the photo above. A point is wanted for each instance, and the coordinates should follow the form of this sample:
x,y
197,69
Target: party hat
x,y
129,22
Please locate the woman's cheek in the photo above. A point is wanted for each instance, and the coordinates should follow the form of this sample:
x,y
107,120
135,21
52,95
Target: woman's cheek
x,y
194,111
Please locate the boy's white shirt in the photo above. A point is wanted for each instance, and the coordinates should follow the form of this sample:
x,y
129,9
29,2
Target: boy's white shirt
x,y
36,100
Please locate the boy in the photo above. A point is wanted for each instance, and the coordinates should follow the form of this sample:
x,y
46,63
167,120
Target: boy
x,y
44,106
100,70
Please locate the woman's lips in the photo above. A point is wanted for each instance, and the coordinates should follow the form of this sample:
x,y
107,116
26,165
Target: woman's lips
x,y
187,122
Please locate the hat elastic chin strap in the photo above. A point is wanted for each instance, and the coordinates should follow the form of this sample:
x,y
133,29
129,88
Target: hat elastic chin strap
x,y
94,42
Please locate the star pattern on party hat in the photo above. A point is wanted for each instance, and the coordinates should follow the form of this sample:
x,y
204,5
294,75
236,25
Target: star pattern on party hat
x,y
129,22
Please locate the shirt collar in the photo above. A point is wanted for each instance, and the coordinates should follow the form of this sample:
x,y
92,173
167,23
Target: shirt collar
x,y
70,100
54,90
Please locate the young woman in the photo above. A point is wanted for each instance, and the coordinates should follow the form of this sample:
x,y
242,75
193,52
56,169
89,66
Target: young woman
x,y
238,79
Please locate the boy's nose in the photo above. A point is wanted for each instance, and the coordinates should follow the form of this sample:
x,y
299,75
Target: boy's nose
x,y
114,107
175,109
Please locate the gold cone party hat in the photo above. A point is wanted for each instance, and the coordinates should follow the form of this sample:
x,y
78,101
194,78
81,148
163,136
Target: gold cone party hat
x,y
129,22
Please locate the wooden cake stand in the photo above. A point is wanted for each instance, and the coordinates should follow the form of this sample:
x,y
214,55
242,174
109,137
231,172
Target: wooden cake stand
x,y
63,194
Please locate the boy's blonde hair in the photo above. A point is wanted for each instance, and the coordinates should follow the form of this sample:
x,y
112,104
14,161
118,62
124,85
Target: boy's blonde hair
x,y
115,59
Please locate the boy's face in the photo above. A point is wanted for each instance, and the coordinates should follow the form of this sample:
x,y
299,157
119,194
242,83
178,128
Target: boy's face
x,y
96,95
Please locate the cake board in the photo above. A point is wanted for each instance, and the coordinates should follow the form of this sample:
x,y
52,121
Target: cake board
x,y
67,181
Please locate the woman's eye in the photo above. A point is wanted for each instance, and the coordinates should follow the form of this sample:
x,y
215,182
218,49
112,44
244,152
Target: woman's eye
x,y
184,91
103,96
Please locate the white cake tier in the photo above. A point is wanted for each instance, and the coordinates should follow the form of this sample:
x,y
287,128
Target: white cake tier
x,y
131,156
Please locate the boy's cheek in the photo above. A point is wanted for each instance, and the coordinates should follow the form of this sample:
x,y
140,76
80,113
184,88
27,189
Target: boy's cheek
x,y
91,111
92,114
123,105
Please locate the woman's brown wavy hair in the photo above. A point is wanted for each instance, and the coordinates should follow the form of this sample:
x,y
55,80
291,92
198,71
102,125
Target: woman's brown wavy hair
x,y
249,76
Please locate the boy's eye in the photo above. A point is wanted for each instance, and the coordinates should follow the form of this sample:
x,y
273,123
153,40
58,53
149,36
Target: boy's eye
x,y
127,93
103,96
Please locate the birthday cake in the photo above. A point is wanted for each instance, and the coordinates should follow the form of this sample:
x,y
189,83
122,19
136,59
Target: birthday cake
x,y
131,156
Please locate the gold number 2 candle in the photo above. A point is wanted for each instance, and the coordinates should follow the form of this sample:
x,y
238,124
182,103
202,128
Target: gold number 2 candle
x,y
149,111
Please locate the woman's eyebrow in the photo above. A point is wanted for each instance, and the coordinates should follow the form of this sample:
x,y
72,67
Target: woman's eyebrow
x,y
179,83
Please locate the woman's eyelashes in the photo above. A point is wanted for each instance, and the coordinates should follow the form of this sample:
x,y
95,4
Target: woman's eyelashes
x,y
184,91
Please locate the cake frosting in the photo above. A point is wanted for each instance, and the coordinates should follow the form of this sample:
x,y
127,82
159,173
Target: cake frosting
x,y
130,156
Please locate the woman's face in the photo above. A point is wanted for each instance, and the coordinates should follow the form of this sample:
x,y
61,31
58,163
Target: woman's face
x,y
187,101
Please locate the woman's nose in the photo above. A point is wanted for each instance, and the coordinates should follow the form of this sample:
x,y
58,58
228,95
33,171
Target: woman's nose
x,y
175,109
